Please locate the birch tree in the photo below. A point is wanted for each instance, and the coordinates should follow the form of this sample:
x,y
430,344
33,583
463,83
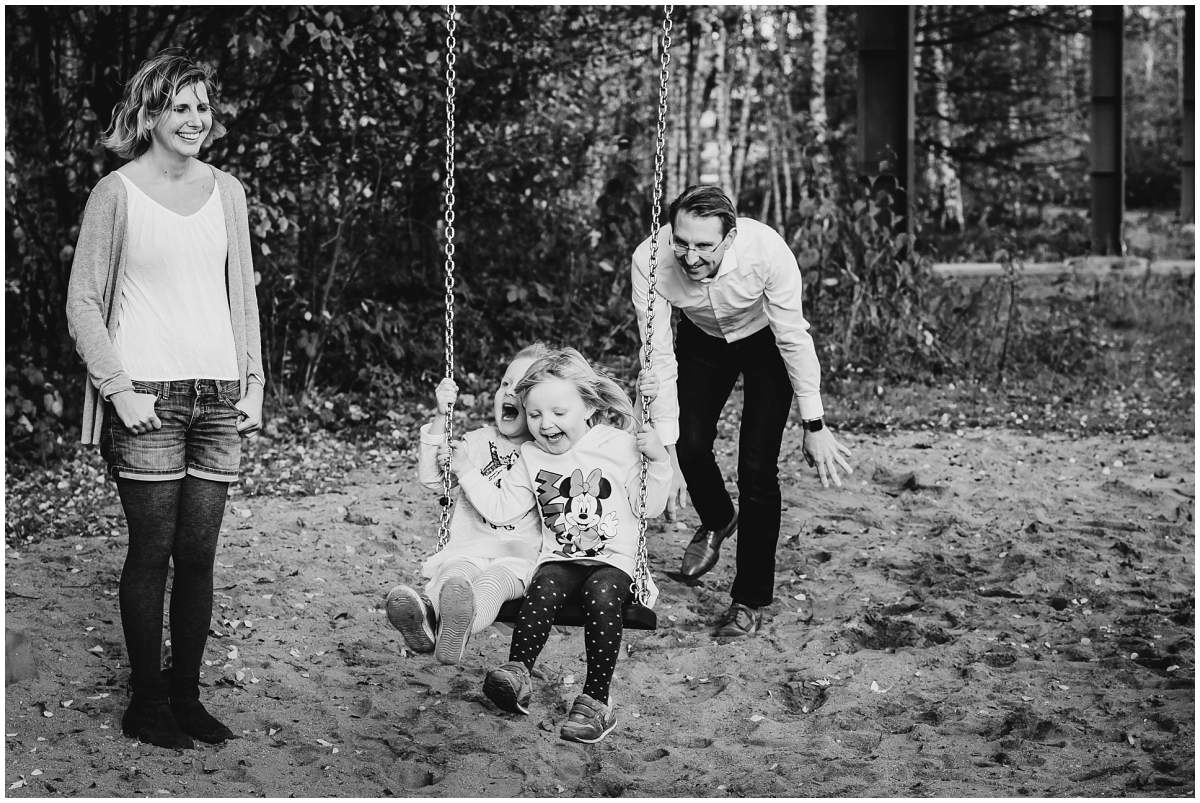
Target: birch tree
x,y
819,55
941,176
723,71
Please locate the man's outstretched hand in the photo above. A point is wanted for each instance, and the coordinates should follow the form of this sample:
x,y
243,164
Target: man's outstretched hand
x,y
824,451
678,498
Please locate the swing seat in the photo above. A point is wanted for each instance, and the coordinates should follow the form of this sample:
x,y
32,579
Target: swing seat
x,y
635,615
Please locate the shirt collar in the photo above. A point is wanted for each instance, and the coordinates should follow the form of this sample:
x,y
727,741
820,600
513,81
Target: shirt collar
x,y
729,263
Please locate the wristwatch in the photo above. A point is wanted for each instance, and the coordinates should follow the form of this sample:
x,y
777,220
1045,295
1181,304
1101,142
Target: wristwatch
x,y
815,425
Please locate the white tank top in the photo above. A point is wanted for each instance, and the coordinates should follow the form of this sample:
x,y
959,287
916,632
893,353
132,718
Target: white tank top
x,y
173,321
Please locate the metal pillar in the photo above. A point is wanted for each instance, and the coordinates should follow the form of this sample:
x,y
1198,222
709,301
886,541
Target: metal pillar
x,y
1187,204
885,106
1108,130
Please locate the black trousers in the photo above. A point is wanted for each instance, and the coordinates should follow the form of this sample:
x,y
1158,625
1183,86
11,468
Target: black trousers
x,y
708,369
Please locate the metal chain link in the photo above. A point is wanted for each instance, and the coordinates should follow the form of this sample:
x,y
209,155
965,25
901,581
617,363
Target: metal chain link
x,y
641,579
451,79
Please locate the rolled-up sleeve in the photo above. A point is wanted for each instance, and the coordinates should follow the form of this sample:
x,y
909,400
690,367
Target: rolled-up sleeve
x,y
255,375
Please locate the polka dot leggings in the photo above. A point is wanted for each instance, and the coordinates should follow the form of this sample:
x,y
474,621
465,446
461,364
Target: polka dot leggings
x,y
602,592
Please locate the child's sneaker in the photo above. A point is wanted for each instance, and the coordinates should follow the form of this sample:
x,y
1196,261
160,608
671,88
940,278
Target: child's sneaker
x,y
509,687
589,721
411,614
456,607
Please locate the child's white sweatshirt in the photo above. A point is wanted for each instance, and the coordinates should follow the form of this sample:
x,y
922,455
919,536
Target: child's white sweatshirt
x,y
586,497
513,544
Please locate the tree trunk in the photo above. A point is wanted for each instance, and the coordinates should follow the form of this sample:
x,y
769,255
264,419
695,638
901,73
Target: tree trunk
x,y
818,113
691,163
788,203
724,73
817,110
753,71
779,210
1014,119
941,176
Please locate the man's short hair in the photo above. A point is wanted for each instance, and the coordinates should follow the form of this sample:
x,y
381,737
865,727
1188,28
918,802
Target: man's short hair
x,y
705,200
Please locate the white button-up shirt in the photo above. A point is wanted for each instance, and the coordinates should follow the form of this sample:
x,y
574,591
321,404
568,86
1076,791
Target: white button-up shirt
x,y
757,285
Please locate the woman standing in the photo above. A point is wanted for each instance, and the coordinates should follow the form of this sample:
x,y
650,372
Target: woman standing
x,y
162,309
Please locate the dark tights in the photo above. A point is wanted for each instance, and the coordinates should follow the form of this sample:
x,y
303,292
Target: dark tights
x,y
175,521
602,592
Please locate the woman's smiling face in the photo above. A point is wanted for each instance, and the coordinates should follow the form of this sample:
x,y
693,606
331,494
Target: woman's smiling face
x,y
186,123
557,415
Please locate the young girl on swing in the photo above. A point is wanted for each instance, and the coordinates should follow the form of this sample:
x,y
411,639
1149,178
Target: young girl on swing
x,y
583,473
482,565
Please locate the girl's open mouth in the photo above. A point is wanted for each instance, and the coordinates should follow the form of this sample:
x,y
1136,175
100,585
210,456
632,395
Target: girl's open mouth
x,y
509,412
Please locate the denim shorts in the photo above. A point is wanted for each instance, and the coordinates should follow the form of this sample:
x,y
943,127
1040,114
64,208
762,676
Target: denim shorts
x,y
199,433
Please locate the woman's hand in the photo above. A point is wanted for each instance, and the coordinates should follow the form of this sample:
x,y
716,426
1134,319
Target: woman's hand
x,y
251,409
136,411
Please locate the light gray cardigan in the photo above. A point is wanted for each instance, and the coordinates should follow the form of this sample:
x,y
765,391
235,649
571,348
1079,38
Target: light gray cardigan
x,y
98,271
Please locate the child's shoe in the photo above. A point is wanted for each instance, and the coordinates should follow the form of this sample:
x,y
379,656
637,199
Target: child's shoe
x,y
509,687
589,721
456,608
411,614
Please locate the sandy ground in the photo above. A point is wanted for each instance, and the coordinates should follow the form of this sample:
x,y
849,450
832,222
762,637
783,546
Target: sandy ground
x,y
977,613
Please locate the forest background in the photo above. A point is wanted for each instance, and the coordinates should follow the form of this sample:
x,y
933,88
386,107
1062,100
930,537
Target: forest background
x,y
337,125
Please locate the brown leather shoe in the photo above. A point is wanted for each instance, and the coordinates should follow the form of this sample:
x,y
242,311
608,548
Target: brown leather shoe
x,y
739,620
704,550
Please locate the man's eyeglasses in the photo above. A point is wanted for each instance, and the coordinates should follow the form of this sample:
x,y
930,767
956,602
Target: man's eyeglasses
x,y
682,249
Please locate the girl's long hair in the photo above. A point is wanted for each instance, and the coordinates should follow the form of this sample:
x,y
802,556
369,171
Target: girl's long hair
x,y
597,389
149,94
534,350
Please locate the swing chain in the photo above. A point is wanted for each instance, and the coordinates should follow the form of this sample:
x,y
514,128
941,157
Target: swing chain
x,y
641,580
451,79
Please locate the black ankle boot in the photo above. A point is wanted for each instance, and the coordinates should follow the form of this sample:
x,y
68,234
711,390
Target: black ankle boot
x,y
149,719
193,719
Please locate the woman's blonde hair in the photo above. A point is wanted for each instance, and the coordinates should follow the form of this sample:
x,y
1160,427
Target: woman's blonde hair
x,y
149,94
597,389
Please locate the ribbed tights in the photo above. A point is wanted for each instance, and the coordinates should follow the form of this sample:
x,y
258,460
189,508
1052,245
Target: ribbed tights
x,y
174,521
492,588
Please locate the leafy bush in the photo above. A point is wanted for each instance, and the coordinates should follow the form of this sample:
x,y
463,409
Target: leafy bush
x,y
865,284
34,411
